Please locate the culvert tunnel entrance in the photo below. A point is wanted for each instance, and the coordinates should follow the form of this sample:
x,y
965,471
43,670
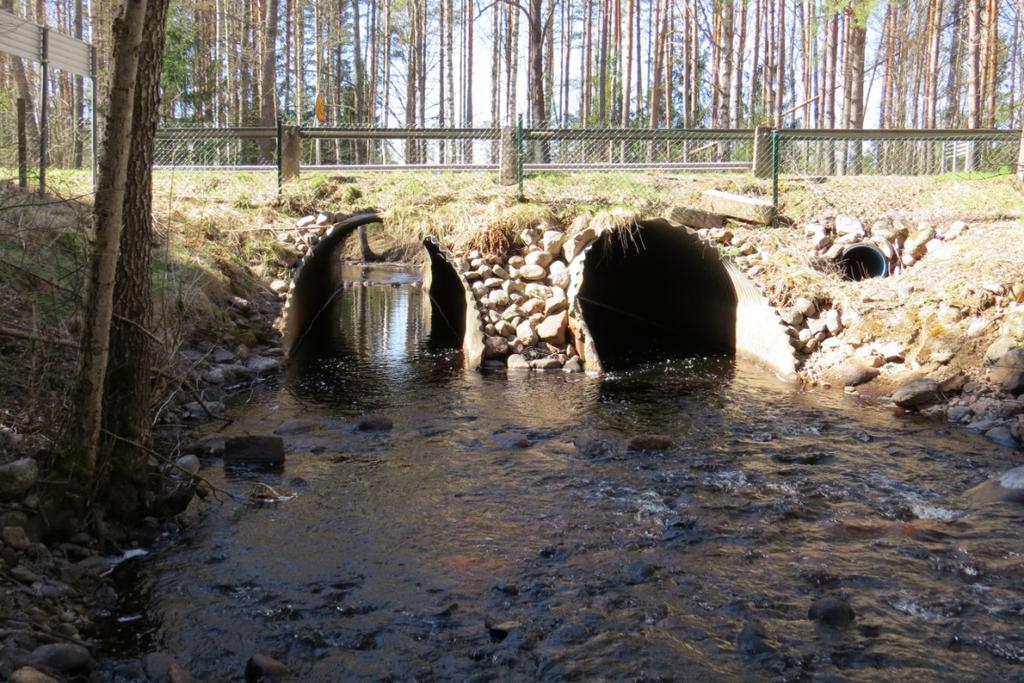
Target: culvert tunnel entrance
x,y
656,292
446,294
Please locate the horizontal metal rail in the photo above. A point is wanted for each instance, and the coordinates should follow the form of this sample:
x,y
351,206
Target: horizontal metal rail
x,y
642,134
369,168
400,133
232,133
643,166
215,167
937,134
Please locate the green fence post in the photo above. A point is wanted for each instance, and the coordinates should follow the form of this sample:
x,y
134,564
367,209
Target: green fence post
x,y
520,155
775,178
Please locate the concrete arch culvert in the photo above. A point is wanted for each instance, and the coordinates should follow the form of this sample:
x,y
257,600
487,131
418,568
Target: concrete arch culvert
x,y
316,281
653,289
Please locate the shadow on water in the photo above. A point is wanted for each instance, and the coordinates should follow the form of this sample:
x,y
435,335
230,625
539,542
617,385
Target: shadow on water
x,y
503,528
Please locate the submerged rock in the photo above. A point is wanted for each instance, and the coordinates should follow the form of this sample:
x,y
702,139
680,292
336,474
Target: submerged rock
x,y
752,641
295,426
651,442
262,451
1007,488
517,361
831,612
160,667
1002,436
264,669
510,440
374,423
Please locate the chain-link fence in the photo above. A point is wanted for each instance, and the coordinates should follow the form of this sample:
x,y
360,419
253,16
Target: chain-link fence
x,y
553,149
66,125
767,153
198,147
368,148
895,152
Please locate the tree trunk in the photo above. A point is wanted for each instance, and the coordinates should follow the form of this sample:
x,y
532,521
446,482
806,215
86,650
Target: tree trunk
x,y
84,436
627,82
268,74
80,125
973,63
128,380
737,95
780,73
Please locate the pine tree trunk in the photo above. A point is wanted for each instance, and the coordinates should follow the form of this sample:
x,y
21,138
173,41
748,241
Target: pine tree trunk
x,y
128,379
780,73
973,63
737,95
84,436
268,74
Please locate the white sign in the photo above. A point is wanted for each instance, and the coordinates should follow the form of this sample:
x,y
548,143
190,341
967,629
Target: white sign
x,y
24,38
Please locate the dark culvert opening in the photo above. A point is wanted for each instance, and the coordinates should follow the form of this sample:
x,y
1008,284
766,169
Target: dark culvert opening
x,y
447,301
862,262
654,293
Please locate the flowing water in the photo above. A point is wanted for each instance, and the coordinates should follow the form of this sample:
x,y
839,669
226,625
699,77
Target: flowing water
x,y
503,530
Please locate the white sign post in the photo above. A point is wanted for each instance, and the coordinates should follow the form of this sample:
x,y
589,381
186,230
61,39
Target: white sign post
x,y
28,40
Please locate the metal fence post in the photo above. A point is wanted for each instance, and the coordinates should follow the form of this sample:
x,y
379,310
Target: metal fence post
x,y
775,177
520,155
280,172
22,145
762,151
44,96
94,139
1020,158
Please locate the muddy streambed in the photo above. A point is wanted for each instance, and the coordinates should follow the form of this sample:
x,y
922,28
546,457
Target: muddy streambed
x,y
504,530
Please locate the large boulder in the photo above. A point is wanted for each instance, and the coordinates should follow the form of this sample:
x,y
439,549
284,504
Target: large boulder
x,y
1008,371
533,271
576,242
848,225
495,347
552,241
17,477
916,393
553,328
526,334
539,258
64,658
855,373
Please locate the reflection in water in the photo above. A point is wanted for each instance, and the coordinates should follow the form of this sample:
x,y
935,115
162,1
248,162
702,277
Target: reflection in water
x,y
503,528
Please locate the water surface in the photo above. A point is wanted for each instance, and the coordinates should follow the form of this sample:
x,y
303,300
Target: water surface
x,y
502,530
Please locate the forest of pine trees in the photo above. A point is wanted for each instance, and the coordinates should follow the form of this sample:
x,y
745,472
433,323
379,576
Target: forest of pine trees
x,y
656,63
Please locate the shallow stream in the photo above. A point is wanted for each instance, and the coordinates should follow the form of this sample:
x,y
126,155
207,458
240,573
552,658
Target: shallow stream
x,y
503,530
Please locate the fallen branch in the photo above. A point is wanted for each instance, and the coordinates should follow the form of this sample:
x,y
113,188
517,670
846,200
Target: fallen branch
x,y
30,336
